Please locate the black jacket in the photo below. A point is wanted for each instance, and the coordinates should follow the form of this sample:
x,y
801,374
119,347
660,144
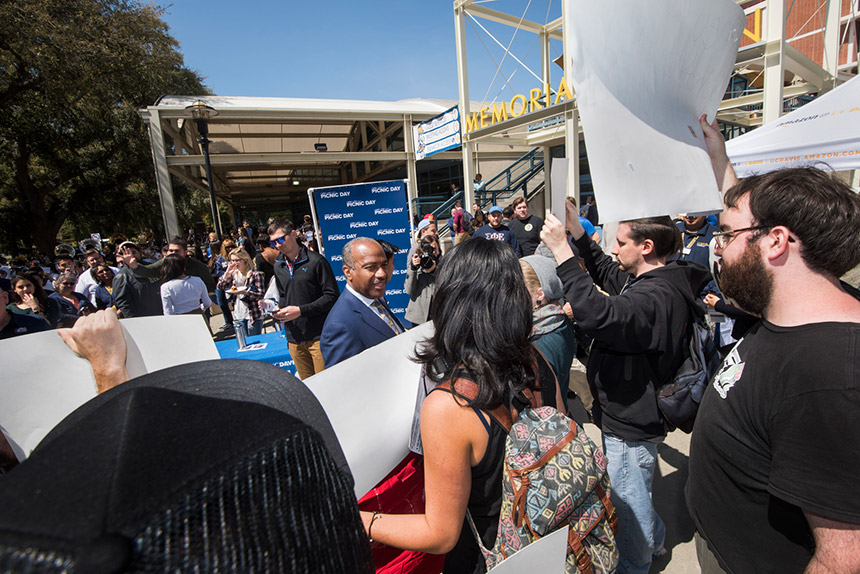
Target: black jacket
x,y
638,331
312,288
136,296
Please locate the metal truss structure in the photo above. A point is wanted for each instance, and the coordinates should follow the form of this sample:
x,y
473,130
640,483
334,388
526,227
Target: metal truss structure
x,y
783,56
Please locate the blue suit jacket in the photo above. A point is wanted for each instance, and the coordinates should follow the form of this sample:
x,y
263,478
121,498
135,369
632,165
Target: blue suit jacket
x,y
350,328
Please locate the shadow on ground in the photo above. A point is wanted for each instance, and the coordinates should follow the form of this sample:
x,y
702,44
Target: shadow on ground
x,y
668,496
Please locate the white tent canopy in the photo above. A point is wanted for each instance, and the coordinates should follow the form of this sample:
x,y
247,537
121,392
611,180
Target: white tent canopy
x,y
826,130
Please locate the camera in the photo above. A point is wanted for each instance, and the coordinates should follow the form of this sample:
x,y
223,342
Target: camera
x,y
426,250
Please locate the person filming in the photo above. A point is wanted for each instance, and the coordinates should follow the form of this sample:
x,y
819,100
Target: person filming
x,y
421,278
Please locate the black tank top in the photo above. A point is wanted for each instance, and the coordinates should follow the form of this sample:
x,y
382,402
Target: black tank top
x,y
485,498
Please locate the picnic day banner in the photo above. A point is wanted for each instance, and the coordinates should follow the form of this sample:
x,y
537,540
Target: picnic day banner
x,y
378,210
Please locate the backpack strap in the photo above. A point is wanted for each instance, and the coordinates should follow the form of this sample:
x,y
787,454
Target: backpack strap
x,y
583,560
574,540
546,368
468,389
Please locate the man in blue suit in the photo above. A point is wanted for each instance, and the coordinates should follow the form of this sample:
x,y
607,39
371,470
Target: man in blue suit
x,y
360,318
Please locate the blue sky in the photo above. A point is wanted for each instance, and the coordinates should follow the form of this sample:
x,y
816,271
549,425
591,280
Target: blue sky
x,y
380,50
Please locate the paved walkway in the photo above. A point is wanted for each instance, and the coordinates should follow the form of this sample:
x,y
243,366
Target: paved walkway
x,y
669,482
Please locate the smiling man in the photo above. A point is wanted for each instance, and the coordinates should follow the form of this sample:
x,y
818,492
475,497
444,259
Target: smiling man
x,y
498,231
361,318
775,453
526,226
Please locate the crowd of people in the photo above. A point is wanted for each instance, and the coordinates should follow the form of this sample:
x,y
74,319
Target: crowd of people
x,y
774,449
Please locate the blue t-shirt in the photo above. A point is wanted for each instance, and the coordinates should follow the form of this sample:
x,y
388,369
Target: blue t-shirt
x,y
589,228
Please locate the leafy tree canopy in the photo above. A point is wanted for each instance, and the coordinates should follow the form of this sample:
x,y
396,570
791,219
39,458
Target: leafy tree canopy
x,y
73,74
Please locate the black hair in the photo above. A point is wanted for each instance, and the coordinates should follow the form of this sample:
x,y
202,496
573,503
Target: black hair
x,y
263,241
389,248
482,323
174,266
180,242
662,232
281,224
94,270
38,290
822,211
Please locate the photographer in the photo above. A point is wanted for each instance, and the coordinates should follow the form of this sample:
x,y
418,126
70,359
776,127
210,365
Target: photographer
x,y
421,273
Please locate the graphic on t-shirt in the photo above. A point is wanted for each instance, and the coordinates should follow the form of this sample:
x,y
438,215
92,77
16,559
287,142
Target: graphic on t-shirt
x,y
529,227
730,372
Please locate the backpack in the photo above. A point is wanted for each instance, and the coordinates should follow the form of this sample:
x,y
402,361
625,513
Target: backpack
x,y
553,476
679,398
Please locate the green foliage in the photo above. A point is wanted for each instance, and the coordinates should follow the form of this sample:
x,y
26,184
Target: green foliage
x,y
73,74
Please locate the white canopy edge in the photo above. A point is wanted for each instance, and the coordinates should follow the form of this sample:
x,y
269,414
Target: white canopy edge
x,y
228,105
824,132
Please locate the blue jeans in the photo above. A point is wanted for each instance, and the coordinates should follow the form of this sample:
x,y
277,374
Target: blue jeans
x,y
641,531
221,301
252,328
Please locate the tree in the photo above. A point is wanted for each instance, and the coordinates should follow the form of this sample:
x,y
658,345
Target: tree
x,y
73,74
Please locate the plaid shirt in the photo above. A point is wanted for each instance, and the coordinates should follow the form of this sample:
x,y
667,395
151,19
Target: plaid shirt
x,y
255,292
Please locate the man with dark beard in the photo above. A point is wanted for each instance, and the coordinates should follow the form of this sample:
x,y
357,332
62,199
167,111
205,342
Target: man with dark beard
x,y
776,448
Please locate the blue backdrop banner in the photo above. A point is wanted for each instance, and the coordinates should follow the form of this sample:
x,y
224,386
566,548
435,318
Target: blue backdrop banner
x,y
377,210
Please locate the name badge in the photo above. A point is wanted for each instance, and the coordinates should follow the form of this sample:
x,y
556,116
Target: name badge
x,y
685,251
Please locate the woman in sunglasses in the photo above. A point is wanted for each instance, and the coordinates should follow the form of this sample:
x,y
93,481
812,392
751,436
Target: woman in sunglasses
x,y
72,304
245,285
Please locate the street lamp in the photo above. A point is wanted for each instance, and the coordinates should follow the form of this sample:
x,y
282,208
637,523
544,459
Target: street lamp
x,y
201,113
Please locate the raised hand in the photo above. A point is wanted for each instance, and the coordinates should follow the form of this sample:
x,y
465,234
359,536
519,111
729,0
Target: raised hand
x,y
98,338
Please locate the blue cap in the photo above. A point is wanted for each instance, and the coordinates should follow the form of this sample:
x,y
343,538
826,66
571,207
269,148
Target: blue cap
x,y
495,208
424,223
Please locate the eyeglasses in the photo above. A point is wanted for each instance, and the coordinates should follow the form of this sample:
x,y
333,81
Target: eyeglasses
x,y
723,238
275,242
68,283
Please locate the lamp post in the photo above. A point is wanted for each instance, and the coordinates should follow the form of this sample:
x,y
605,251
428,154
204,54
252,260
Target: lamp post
x,y
201,113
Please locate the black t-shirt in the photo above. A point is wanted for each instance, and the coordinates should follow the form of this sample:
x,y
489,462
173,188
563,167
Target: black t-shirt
x,y
266,268
527,232
778,431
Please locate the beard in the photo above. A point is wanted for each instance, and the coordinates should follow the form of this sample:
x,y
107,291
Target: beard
x,y
747,282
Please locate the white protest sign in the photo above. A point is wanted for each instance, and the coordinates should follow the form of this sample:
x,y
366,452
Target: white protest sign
x,y
546,555
558,187
44,381
643,73
370,401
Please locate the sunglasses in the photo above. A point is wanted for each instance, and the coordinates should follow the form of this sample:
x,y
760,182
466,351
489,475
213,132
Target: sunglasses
x,y
67,283
275,242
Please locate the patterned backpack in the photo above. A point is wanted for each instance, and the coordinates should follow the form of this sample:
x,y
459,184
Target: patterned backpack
x,y
554,476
